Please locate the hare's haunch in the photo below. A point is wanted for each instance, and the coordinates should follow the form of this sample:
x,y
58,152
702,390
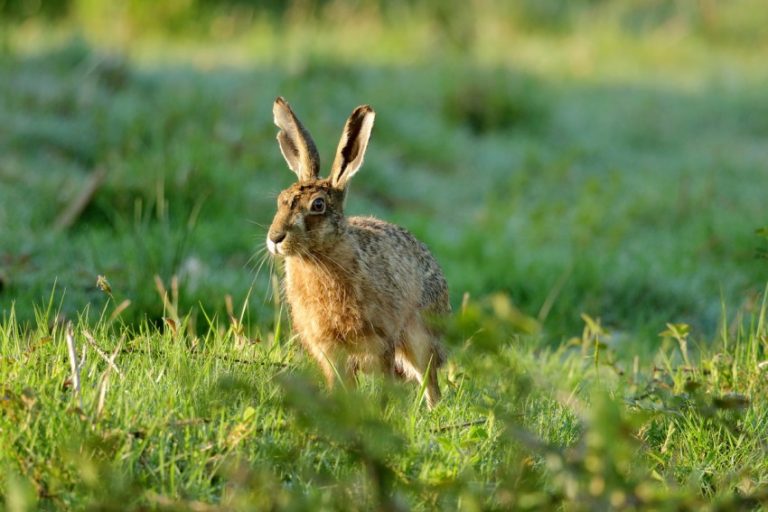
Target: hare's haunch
x,y
363,293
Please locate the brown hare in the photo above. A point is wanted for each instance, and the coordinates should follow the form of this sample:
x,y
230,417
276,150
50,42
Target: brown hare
x,y
361,291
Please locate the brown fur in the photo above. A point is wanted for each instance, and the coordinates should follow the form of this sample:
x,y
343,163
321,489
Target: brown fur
x,y
359,288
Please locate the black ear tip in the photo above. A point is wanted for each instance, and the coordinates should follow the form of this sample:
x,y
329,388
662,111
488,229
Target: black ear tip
x,y
280,101
363,110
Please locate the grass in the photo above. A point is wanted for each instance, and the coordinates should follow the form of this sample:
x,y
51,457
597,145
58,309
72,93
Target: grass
x,y
586,185
222,421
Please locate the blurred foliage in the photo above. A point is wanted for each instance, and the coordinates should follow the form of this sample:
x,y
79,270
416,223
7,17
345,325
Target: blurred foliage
x,y
736,21
762,252
551,190
227,426
18,10
487,101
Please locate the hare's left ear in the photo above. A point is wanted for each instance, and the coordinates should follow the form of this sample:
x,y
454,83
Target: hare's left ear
x,y
351,150
296,144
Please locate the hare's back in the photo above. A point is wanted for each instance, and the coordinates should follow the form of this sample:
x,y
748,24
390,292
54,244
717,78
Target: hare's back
x,y
394,257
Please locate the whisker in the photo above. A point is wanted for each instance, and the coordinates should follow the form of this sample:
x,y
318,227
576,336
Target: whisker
x,y
251,259
270,286
344,271
259,252
259,224
262,260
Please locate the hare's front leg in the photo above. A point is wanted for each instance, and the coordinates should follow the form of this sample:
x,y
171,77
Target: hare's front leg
x,y
333,364
324,359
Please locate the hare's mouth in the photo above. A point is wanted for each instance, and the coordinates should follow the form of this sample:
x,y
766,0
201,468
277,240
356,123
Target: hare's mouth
x,y
276,242
275,249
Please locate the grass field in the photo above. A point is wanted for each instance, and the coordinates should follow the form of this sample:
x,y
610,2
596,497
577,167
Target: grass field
x,y
591,178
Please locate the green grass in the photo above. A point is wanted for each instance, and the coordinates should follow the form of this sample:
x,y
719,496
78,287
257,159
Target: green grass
x,y
588,177
232,422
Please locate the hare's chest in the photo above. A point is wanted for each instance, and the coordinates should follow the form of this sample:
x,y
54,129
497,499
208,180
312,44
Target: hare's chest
x,y
323,306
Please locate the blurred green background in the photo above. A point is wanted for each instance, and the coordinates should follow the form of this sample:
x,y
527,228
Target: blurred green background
x,y
587,156
589,173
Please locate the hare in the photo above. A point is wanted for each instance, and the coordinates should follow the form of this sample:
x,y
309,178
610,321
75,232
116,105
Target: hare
x,y
361,291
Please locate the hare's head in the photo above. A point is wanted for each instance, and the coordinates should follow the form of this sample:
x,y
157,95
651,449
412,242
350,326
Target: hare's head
x,y
310,213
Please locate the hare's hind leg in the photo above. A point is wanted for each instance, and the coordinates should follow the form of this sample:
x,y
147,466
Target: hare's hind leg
x,y
418,359
433,388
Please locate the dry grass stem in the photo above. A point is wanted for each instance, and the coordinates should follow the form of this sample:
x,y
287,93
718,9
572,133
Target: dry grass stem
x,y
109,359
73,363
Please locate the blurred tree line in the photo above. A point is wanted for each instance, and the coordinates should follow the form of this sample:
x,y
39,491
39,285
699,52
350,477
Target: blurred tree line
x,y
734,21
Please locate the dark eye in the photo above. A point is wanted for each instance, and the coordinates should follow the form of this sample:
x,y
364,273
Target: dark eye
x,y
318,205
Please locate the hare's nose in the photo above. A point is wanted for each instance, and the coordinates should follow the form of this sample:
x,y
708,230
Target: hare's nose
x,y
278,237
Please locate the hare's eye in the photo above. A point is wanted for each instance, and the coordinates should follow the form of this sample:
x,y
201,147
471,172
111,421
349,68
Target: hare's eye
x,y
318,205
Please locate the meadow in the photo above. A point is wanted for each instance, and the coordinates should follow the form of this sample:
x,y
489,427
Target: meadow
x,y
592,177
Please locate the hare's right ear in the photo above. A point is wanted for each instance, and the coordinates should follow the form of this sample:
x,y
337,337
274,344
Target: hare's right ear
x,y
295,143
351,150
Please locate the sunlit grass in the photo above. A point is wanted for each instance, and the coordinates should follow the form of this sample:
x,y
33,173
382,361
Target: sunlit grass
x,y
171,419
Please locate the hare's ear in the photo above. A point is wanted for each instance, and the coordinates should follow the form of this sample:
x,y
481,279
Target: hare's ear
x,y
354,140
295,143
